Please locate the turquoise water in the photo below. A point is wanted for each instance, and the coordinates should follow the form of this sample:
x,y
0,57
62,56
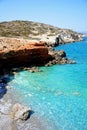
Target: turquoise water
x,y
58,94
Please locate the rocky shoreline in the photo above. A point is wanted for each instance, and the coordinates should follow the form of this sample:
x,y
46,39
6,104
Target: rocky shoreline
x,y
24,53
62,38
16,55
13,114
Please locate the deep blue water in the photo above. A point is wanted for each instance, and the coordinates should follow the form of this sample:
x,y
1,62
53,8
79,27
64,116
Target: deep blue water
x,y
58,95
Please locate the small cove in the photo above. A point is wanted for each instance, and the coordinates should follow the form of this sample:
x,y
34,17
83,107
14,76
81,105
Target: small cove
x,y
58,94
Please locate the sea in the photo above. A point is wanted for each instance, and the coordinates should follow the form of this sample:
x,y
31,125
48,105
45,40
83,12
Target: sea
x,y
58,94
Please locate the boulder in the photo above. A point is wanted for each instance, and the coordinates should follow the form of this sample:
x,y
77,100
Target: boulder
x,y
20,112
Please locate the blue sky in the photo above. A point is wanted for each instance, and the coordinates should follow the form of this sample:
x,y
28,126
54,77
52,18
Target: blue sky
x,y
61,13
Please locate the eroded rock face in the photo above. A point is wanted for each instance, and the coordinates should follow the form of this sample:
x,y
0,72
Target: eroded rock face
x,y
20,51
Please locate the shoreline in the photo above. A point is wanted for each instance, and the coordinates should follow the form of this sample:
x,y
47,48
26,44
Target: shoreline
x,y
25,53
8,99
33,123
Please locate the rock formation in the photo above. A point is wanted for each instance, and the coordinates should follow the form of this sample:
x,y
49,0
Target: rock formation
x,y
20,52
62,38
59,57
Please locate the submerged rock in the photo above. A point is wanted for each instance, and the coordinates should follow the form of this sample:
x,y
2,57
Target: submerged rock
x,y
72,62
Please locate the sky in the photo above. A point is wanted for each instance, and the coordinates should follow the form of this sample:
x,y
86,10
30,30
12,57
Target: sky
x,y
71,14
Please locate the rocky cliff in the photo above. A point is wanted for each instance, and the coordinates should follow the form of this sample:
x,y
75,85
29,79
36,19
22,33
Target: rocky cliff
x,y
20,52
16,52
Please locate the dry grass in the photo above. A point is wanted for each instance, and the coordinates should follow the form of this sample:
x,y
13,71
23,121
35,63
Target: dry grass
x,y
26,28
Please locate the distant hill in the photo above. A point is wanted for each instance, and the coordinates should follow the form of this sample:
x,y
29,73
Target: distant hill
x,y
29,29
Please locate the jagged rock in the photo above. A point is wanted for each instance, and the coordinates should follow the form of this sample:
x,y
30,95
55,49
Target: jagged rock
x,y
61,53
20,112
64,61
59,57
67,37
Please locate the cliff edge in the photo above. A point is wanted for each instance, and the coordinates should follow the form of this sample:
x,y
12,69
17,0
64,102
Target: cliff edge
x,y
17,52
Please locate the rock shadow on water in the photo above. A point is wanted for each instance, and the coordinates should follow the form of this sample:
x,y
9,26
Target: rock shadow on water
x,y
3,84
3,88
11,72
31,113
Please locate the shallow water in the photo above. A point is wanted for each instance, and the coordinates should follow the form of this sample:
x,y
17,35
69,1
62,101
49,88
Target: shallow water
x,y
58,94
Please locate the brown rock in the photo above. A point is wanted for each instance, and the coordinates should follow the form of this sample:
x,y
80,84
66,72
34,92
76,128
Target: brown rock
x,y
21,52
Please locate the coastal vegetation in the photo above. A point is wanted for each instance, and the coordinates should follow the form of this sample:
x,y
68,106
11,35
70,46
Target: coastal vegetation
x,y
32,30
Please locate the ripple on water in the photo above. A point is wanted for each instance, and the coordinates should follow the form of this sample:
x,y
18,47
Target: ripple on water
x,y
58,95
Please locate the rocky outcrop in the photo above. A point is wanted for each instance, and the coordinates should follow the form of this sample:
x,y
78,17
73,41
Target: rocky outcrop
x,y
59,57
20,52
23,53
62,38
67,38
